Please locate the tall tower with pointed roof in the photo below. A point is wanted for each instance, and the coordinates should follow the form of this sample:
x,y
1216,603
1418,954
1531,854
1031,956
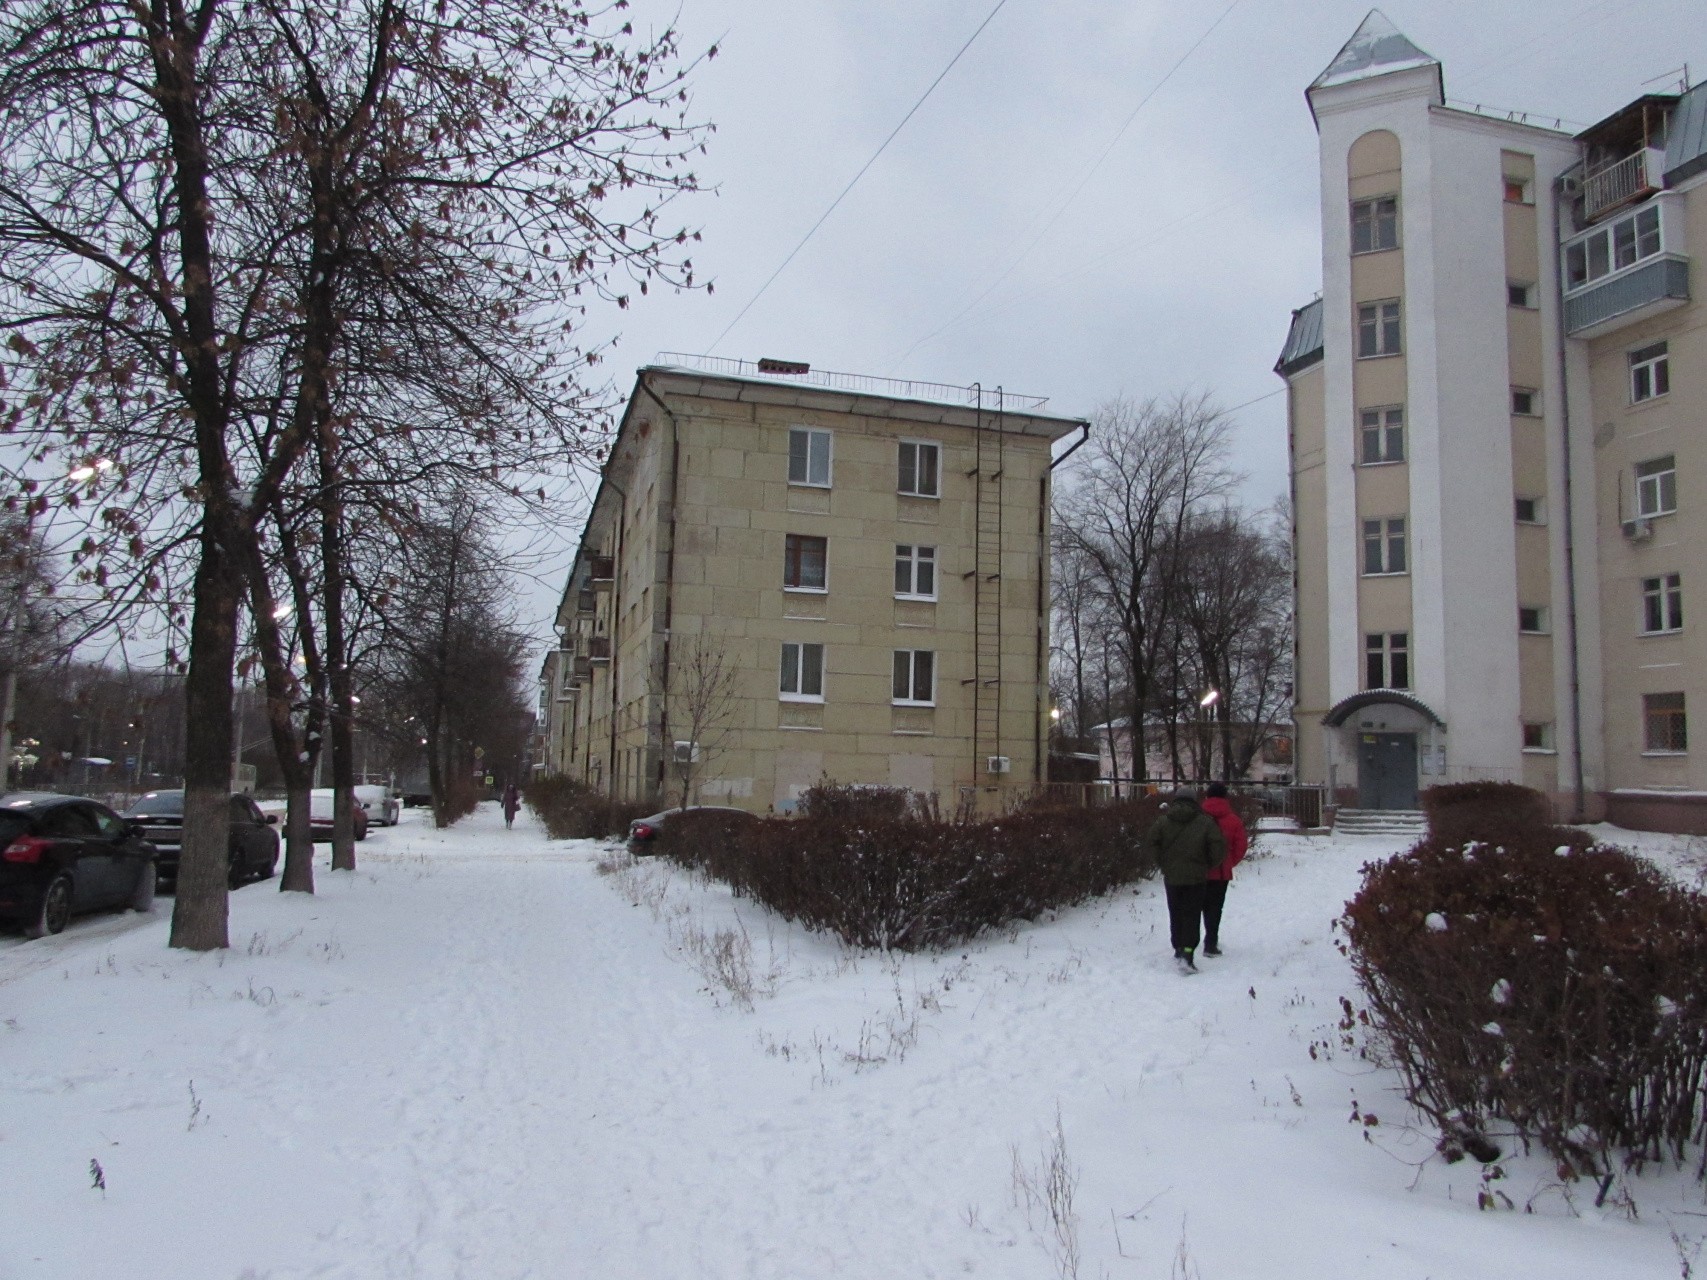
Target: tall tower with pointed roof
x,y
1424,396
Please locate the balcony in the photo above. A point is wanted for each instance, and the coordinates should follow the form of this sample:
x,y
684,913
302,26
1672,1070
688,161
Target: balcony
x,y
583,669
1622,182
602,571
586,601
598,649
1657,284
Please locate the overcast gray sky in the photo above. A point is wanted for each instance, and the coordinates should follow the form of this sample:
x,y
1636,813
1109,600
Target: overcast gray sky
x,y
960,258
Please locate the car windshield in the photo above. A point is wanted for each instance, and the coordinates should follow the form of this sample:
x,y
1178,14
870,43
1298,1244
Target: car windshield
x,y
170,803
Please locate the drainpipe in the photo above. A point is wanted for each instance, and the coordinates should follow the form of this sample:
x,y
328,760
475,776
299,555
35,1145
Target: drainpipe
x,y
669,585
1572,653
617,547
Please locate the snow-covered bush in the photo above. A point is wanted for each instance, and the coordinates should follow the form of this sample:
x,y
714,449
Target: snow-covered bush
x,y
1539,984
879,874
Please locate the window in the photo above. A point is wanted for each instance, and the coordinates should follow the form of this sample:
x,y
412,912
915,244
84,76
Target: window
x,y
809,456
1519,191
915,677
1656,486
803,562
1384,545
1378,329
1525,402
1375,224
1537,737
802,672
1518,294
1611,247
915,571
919,468
1383,435
1665,726
1530,510
1662,604
1532,619
1387,660
1650,372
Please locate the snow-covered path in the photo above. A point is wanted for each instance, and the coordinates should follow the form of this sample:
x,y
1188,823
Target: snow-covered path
x,y
481,1057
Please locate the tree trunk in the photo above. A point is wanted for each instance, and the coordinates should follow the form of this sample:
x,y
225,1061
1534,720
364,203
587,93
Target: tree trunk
x,y
200,906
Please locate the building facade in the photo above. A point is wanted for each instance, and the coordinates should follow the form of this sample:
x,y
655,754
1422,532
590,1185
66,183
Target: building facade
x,y
1490,413
788,576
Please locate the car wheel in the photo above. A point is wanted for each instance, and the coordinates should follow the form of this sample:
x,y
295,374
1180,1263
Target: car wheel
x,y
142,897
55,911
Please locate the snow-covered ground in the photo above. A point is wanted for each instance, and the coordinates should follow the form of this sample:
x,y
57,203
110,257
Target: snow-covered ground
x,y
483,1056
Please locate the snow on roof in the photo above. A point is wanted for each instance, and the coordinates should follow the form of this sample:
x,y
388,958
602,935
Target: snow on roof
x,y
1376,48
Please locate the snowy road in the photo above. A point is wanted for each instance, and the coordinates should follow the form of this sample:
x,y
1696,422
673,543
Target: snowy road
x,y
478,1057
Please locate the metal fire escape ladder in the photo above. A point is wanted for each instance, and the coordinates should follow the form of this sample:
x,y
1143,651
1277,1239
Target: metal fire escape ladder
x,y
990,456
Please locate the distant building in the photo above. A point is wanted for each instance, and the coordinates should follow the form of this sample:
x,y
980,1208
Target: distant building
x,y
1193,740
1497,463
868,558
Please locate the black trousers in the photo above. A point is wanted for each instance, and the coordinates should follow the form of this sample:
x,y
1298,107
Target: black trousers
x,y
1214,898
1185,911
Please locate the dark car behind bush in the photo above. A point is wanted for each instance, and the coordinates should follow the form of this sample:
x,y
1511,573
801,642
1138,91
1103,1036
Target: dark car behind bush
x,y
61,856
253,852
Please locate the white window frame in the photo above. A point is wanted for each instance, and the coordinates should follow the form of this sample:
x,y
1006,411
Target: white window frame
x,y
1656,491
1650,372
813,434
1528,301
1538,510
910,558
1649,715
1378,309
1525,189
1387,653
1525,402
794,668
1544,737
1388,426
1662,600
1374,222
911,659
1387,540
1601,246
919,446
1543,623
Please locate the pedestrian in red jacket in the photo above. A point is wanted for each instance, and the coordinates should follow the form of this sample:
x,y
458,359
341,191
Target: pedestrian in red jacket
x,y
1215,891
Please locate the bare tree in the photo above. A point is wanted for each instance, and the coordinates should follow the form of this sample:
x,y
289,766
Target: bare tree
x,y
1124,508
206,210
697,703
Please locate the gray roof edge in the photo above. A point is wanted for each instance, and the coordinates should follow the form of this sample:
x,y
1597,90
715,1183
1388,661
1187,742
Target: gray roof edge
x,y
1304,342
733,387
1686,145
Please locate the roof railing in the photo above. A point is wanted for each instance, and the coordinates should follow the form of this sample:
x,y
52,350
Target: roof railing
x,y
859,383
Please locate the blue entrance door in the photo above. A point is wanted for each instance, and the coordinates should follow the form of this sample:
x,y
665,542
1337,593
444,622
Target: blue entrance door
x,y
1387,770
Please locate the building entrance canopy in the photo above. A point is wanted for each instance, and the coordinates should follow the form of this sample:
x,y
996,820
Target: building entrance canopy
x,y
1346,707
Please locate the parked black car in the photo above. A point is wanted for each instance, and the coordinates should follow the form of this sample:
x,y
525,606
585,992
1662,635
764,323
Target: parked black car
x,y
643,831
254,850
62,855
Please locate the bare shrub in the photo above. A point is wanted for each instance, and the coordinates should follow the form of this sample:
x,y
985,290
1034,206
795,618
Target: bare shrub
x,y
571,810
1484,810
1555,988
724,958
878,872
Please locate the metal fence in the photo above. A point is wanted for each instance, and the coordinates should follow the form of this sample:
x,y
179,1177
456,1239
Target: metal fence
x,y
1284,806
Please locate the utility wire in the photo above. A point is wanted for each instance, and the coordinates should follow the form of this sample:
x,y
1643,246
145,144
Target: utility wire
x,y
1074,194
825,216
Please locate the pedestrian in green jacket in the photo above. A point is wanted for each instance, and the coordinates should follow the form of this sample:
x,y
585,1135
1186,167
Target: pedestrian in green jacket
x,y
1187,845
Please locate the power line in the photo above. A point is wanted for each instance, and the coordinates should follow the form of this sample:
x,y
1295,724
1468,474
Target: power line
x,y
880,150
1074,194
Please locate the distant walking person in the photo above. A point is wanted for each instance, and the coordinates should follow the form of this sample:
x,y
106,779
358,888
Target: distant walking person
x,y
1186,844
1215,888
512,802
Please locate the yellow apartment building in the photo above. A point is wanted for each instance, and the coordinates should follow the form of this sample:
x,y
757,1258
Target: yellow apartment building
x,y
788,575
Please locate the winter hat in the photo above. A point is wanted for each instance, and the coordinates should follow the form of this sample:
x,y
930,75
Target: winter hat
x,y
1216,791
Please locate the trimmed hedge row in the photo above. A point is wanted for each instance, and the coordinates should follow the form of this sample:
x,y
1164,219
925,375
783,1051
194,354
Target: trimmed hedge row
x,y
868,867
1484,810
1541,981
571,810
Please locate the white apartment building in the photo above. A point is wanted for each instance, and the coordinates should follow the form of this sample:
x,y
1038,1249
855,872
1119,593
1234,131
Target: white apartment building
x,y
1494,413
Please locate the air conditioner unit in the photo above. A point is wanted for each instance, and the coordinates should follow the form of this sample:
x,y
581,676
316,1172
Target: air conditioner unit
x,y
998,764
1638,530
685,752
